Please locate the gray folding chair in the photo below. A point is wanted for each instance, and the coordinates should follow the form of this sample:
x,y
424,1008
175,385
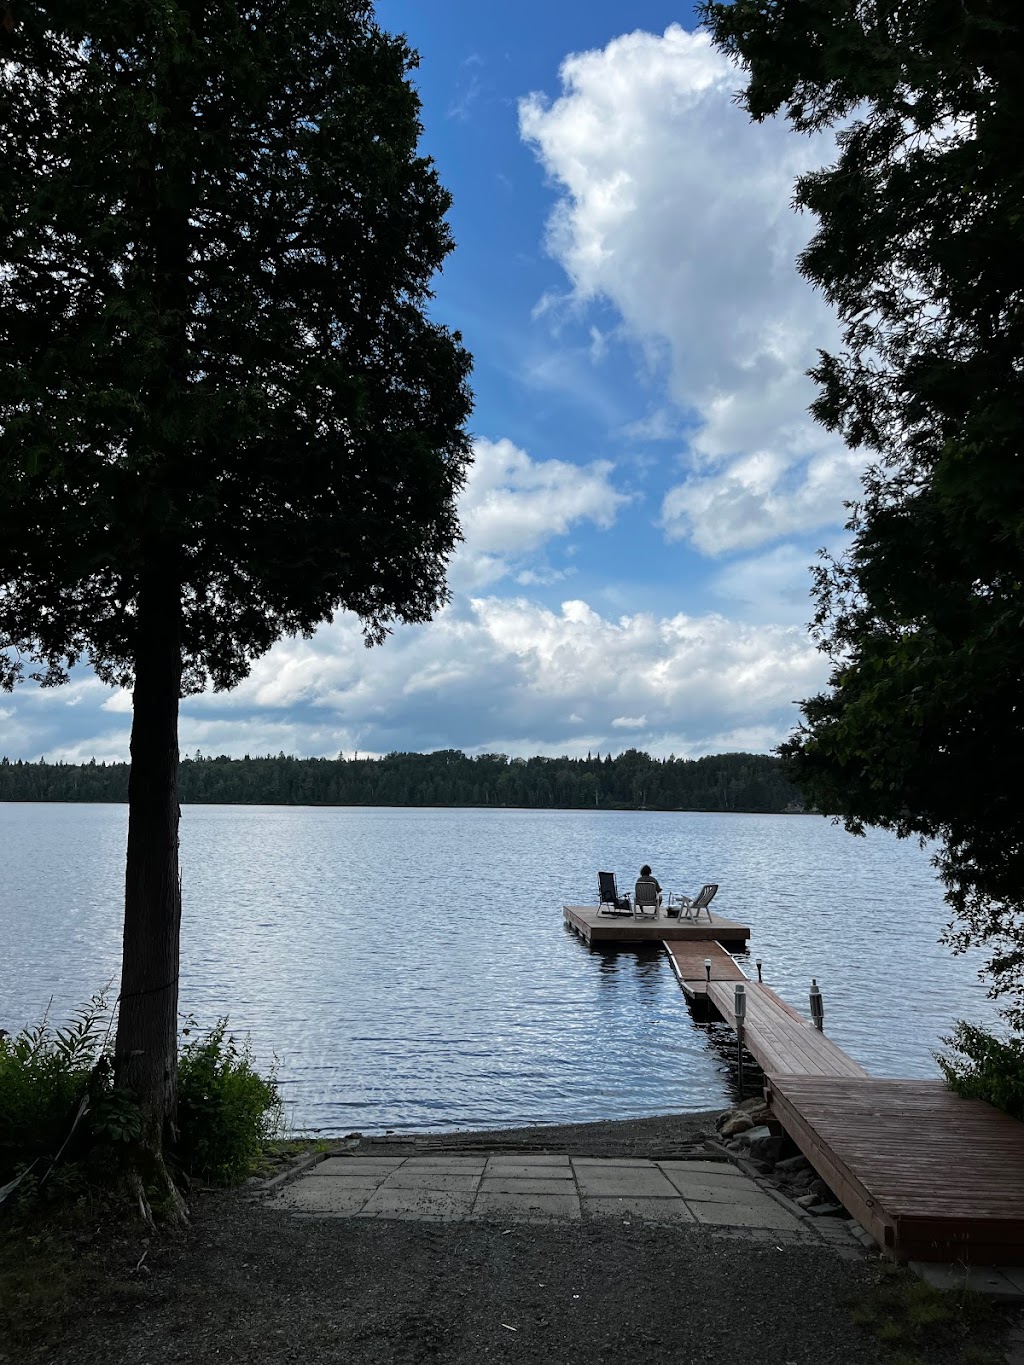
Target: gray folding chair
x,y
691,908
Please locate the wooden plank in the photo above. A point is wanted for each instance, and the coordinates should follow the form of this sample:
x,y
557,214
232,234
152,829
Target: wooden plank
x,y
778,1038
933,1176
687,959
837,1175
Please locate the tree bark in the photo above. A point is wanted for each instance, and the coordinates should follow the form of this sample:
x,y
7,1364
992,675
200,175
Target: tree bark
x,y
145,1061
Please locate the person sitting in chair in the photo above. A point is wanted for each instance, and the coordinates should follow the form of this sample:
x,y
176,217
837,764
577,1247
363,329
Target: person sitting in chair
x,y
651,892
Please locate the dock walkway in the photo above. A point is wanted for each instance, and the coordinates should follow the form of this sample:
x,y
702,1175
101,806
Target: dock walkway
x,y
782,1041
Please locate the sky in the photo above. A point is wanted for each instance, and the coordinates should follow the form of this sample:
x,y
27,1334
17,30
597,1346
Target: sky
x,y
648,490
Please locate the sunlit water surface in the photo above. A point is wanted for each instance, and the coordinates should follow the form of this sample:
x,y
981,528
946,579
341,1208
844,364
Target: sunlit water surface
x,y
409,968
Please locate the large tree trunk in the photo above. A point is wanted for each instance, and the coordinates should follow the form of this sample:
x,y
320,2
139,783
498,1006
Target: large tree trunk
x,y
146,1048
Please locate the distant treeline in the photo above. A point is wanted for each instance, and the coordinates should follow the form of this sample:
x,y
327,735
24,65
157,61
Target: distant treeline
x,y
722,782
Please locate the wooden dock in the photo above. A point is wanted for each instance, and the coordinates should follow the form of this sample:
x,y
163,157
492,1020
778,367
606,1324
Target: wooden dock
x,y
593,927
687,959
931,1175
779,1038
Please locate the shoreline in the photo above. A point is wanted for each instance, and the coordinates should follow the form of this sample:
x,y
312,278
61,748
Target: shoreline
x,y
612,1137
398,805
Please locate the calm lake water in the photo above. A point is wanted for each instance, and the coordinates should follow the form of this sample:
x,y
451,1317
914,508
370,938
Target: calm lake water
x,y
410,969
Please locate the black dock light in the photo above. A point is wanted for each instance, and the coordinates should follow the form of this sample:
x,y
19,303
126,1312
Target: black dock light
x,y
707,970
757,964
740,1010
817,1006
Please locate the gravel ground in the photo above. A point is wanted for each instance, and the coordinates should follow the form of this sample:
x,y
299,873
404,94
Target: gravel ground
x,y
252,1285
248,1283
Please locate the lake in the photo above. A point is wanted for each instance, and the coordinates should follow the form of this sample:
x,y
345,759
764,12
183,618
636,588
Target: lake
x,y
410,970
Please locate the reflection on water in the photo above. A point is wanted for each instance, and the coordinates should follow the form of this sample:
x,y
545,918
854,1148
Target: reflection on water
x,y
410,968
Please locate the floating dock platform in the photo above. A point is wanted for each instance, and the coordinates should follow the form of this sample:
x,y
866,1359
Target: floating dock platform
x,y
593,927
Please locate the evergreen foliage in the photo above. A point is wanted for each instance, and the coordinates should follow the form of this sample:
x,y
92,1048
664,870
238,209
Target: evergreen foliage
x,y
920,248
721,782
217,366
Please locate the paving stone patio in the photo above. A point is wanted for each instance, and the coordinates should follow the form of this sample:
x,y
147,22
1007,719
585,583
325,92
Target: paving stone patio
x,y
537,1188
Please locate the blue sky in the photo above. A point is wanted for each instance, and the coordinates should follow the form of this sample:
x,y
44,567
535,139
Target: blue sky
x,y
648,489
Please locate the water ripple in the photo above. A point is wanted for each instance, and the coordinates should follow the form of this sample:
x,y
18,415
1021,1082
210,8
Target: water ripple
x,y
410,970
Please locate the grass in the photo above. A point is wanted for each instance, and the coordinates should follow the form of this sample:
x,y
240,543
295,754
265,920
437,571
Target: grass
x,y
920,1323
281,1152
52,1259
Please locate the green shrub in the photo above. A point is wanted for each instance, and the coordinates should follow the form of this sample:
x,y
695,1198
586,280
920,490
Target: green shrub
x,y
227,1111
44,1074
985,1067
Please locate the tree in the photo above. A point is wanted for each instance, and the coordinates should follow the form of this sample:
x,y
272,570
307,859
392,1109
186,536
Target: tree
x,y
920,247
225,411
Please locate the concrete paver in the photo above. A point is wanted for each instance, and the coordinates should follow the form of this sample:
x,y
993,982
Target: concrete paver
x,y
499,1184
519,1208
632,1210
624,1180
713,1168
521,1172
611,1161
709,1188
753,1211
418,1203
329,1196
995,1282
445,1163
410,1179
350,1182
527,1159
357,1165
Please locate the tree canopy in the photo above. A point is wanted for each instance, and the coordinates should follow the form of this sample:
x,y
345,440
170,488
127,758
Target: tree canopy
x,y
632,780
218,241
920,248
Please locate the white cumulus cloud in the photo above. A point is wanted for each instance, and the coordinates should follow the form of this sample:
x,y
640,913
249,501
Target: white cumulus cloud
x,y
676,209
513,505
489,674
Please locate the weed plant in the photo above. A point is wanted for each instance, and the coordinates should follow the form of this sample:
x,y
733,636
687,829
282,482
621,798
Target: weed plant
x,y
984,1067
920,1324
44,1076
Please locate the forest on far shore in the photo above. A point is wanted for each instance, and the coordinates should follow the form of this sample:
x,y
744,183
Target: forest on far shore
x,y
631,781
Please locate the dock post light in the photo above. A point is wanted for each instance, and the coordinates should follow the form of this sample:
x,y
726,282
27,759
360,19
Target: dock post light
x,y
757,964
817,1006
740,1009
707,970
